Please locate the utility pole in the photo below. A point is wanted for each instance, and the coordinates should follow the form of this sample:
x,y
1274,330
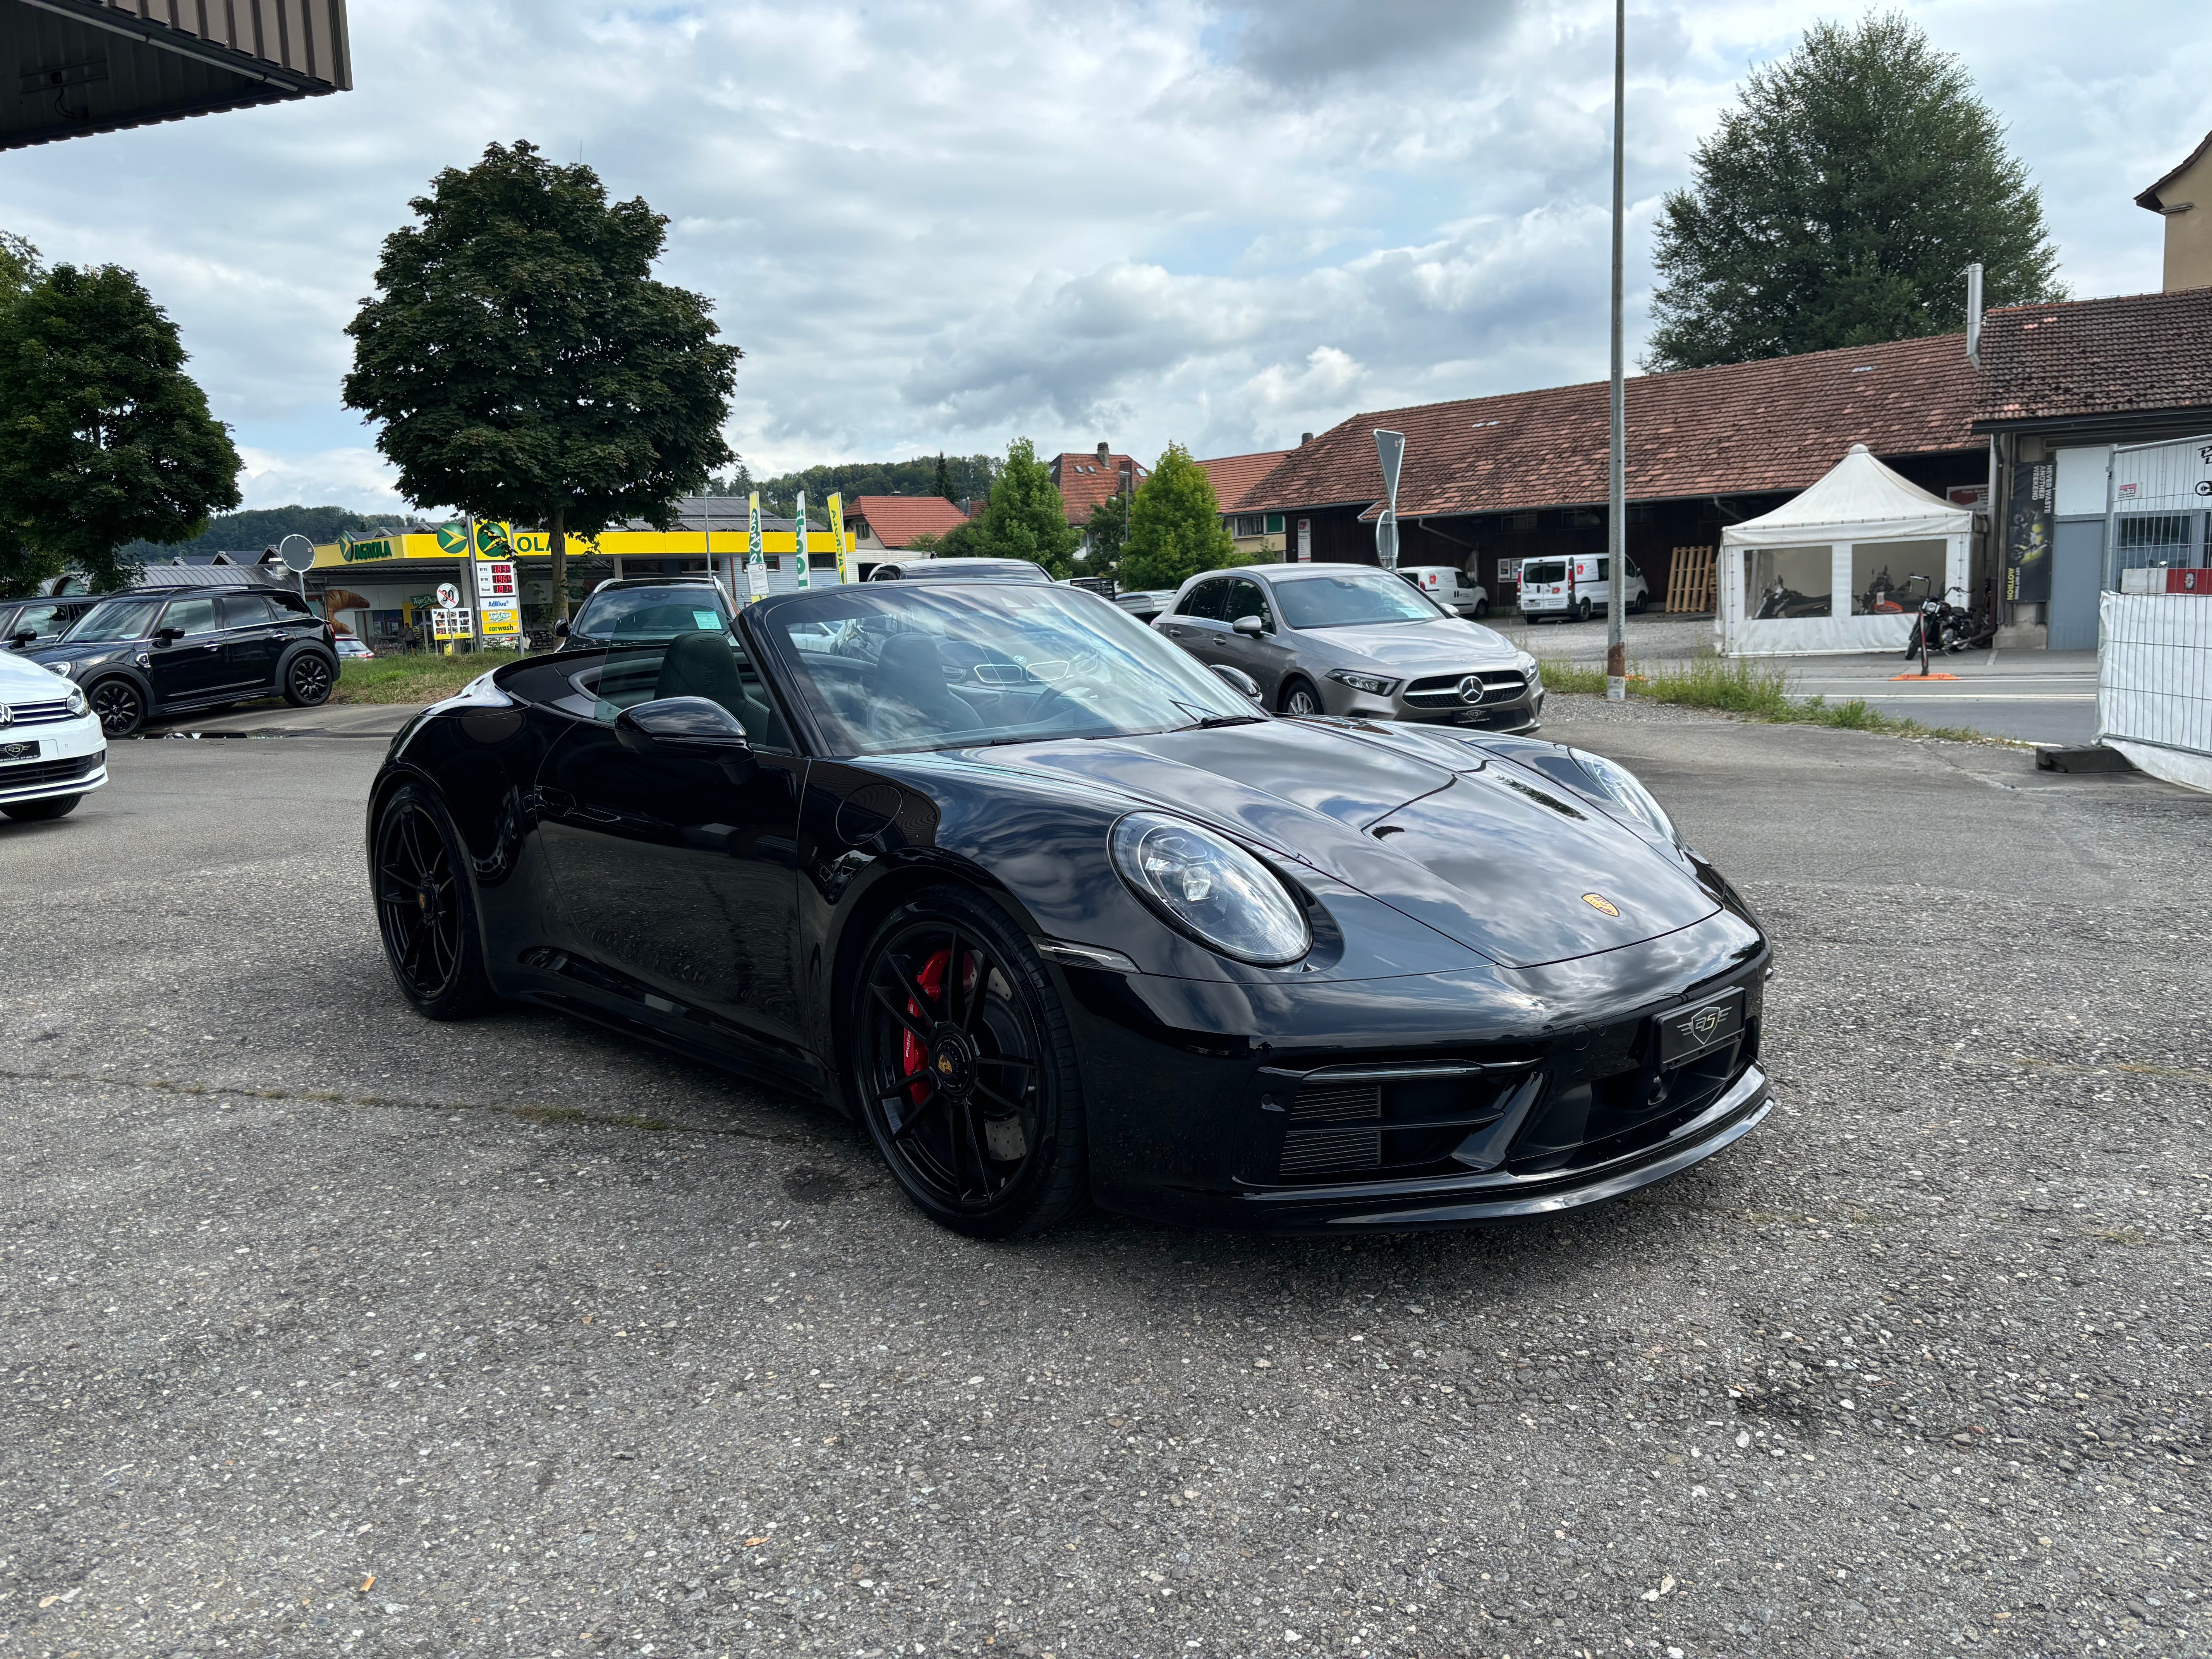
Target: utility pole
x,y
1616,512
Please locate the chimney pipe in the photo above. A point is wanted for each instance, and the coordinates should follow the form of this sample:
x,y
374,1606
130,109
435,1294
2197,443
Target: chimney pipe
x,y
1974,315
1304,438
1102,451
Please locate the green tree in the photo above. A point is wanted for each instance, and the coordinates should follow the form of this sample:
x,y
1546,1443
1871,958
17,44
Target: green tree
x,y
526,366
1024,519
1839,204
104,438
20,266
1175,527
260,528
1107,528
942,484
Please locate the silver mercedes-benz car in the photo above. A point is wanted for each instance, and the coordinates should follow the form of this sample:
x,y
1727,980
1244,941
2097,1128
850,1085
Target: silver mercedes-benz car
x,y
1351,639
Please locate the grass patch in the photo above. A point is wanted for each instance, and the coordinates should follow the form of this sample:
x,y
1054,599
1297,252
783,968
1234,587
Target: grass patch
x,y
1756,691
423,677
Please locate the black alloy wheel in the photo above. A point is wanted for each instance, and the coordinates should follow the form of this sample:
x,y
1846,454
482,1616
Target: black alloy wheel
x,y
426,909
1300,699
965,1069
307,682
120,705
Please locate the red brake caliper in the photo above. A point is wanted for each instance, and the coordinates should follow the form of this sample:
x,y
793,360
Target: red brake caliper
x,y
914,1054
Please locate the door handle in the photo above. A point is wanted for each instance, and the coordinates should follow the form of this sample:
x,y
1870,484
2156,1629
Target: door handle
x,y
211,648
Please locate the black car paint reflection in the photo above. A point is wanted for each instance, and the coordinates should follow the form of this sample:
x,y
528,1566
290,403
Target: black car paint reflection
x,y
1482,1033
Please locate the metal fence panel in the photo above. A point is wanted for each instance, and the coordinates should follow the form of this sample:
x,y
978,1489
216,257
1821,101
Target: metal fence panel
x,y
2154,672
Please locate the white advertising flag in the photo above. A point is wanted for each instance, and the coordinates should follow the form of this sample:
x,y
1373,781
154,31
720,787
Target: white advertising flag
x,y
799,531
756,553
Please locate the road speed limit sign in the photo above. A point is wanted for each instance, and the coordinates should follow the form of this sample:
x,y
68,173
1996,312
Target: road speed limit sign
x,y
449,595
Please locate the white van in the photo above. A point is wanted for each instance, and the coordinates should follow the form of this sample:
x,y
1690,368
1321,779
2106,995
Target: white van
x,y
1450,588
1575,587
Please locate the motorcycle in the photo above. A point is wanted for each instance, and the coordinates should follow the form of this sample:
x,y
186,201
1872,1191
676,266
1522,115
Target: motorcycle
x,y
1945,628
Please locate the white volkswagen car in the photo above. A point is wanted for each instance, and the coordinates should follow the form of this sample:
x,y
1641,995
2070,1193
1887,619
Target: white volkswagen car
x,y
52,748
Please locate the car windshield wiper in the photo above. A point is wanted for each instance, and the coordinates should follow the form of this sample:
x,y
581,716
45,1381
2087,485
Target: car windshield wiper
x,y
1213,720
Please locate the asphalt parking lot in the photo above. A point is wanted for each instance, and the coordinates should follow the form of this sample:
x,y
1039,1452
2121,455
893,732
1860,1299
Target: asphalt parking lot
x,y
332,1331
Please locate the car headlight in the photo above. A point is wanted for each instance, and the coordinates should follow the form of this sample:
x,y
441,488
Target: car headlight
x,y
77,705
1208,887
1528,665
1373,684
1623,787
60,668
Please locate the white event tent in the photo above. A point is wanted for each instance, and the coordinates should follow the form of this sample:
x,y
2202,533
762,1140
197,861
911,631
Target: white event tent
x,y
1831,570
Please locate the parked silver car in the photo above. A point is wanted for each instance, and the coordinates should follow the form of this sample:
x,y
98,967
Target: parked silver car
x,y
1351,640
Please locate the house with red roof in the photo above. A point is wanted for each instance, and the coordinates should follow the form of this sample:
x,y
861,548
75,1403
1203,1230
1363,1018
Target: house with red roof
x,y
890,523
1258,535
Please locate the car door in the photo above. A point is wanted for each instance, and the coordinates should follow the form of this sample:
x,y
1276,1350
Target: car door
x,y
251,643
1264,658
1201,620
189,665
679,873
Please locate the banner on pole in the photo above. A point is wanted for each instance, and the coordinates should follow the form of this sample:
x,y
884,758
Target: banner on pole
x,y
756,555
798,532
837,535
1390,450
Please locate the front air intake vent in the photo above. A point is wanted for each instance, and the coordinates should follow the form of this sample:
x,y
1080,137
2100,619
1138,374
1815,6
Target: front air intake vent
x,y
1330,1151
1355,1103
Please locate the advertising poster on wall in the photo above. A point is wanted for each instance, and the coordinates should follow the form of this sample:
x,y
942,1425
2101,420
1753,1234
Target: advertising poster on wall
x,y
2028,533
755,554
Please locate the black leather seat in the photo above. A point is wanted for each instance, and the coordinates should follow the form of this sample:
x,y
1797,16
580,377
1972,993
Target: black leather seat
x,y
910,676
702,665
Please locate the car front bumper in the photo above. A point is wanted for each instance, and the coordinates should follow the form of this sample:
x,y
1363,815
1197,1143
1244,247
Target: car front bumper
x,y
71,758
1517,713
1423,1101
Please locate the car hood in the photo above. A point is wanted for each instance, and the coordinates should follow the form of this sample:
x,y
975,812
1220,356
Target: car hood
x,y
22,679
1418,647
1489,854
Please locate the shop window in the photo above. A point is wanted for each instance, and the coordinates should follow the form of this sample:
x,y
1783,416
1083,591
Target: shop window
x,y
1892,576
1788,581
2154,539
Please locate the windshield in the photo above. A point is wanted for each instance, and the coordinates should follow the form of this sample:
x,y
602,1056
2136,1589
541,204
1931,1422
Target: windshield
x,y
1544,570
1349,600
898,667
1010,570
650,613
117,619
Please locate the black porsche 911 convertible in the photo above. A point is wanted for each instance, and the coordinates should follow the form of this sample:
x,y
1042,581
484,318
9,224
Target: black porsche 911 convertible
x,y
1056,913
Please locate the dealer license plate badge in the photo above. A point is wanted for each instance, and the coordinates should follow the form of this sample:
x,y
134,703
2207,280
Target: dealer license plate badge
x,y
1688,1032
18,751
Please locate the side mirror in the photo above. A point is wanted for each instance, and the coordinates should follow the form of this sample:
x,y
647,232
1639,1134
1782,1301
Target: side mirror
x,y
1250,626
168,635
682,725
23,636
1245,684
560,628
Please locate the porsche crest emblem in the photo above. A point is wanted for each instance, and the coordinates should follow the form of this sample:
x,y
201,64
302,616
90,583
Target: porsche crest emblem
x,y
945,1064
1600,902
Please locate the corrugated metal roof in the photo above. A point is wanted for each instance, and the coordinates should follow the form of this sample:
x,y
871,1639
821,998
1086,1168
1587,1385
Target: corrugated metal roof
x,y
88,66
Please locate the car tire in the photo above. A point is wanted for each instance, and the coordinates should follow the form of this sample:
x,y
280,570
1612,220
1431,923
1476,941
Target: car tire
x,y
308,678
426,906
1583,611
1481,608
120,705
1300,700
951,1000
39,811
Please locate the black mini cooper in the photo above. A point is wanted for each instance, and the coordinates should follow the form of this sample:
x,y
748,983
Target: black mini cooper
x,y
142,655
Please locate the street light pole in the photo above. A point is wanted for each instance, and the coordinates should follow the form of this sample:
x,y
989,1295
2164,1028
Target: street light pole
x,y
1616,512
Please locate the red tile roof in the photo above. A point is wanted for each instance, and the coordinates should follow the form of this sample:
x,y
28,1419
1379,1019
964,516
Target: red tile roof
x,y
897,519
1234,476
2137,353
1084,481
1739,430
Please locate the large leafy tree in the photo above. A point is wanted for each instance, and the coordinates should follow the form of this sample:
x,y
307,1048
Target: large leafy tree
x,y
104,438
1175,527
1107,528
526,366
1025,517
1840,204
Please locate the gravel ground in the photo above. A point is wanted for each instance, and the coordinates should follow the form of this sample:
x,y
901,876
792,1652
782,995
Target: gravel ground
x,y
335,1332
1653,636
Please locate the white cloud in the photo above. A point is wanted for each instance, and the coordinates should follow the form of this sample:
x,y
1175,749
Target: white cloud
x,y
359,478
933,225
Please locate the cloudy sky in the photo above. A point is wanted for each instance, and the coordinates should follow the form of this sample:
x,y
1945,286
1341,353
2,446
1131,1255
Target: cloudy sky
x,y
937,225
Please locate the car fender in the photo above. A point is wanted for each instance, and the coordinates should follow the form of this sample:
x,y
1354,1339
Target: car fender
x,y
292,653
125,670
